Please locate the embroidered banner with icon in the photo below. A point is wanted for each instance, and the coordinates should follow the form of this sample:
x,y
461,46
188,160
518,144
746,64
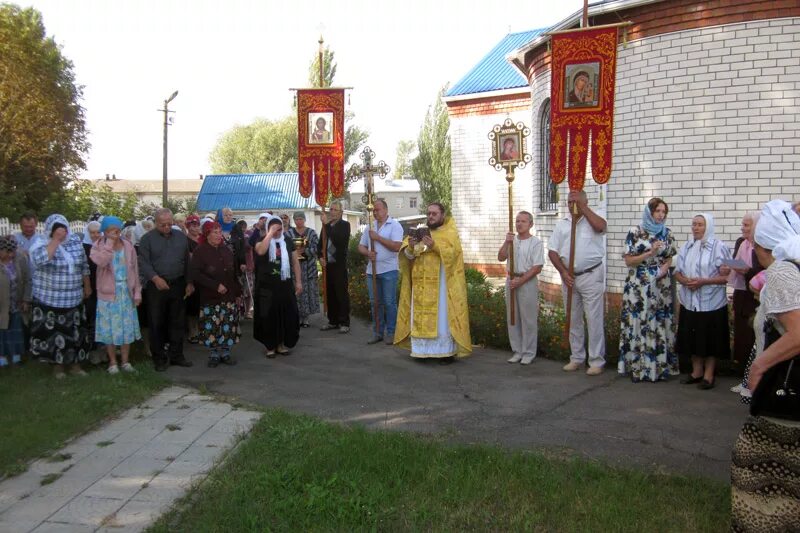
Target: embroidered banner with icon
x,y
583,68
320,144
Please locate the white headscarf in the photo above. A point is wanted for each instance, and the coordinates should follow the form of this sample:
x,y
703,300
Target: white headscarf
x,y
695,246
285,263
51,221
92,225
778,230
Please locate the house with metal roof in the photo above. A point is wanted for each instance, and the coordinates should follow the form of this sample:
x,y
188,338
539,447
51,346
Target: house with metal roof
x,y
490,92
706,117
249,195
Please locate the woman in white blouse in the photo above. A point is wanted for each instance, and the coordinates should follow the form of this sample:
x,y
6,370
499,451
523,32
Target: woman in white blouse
x,y
703,331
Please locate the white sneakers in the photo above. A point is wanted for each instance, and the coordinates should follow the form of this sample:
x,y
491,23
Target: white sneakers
x,y
518,358
591,371
127,367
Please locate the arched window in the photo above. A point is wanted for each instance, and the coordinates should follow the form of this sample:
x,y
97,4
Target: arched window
x,y
548,191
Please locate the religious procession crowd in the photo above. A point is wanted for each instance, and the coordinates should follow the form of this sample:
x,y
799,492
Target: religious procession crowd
x,y
63,295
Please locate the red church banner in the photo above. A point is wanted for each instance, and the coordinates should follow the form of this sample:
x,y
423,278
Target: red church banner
x,y
584,64
320,143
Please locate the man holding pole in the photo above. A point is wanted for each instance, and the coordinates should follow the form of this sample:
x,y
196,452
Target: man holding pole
x,y
337,239
380,245
528,262
586,281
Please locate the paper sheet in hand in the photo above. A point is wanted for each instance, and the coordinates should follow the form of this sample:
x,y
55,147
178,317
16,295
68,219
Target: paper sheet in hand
x,y
734,263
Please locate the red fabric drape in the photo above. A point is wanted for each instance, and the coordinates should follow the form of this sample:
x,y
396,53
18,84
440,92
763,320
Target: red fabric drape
x,y
583,71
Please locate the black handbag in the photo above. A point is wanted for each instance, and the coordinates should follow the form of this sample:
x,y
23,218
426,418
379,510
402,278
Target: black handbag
x,y
778,392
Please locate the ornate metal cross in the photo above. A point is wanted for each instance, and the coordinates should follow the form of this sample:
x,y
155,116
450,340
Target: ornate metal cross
x,y
368,170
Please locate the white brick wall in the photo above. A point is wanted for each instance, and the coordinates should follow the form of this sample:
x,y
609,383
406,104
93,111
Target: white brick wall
x,y
480,193
708,119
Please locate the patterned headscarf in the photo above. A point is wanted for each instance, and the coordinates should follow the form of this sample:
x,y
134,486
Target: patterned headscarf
x,y
8,243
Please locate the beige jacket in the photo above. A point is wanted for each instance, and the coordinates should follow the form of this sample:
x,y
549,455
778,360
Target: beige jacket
x,y
23,287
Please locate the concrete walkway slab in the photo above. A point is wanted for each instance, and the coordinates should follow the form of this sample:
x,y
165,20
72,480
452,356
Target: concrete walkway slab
x,y
124,475
661,426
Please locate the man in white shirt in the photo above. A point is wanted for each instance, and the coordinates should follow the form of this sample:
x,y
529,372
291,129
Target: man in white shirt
x,y
587,281
528,262
387,233
27,236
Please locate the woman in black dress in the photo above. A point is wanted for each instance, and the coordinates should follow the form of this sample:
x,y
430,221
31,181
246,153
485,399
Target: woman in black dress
x,y
275,323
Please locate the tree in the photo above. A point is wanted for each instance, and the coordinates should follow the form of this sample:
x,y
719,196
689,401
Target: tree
x,y
176,205
271,145
81,198
42,126
402,165
263,146
432,164
328,70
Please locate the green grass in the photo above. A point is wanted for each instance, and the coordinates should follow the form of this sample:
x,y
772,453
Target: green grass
x,y
40,413
296,473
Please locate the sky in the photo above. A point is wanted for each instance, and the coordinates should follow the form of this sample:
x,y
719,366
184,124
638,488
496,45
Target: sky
x,y
233,61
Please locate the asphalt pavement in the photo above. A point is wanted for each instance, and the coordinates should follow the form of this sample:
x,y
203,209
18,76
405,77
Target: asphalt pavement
x,y
663,426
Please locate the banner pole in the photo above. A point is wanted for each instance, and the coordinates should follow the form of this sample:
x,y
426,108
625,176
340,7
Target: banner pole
x,y
571,268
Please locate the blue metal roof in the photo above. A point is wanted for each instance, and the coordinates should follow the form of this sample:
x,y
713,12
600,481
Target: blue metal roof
x,y
252,192
493,72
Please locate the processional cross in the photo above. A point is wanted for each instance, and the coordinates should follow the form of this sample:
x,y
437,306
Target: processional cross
x,y
368,170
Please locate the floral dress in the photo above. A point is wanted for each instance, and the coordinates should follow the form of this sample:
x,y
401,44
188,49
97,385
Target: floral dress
x,y
647,332
117,322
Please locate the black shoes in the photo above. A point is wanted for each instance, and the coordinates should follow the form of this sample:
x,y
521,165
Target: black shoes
x,y
181,362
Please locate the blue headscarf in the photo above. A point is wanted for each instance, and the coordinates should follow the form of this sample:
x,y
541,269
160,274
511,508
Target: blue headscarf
x,y
109,221
649,224
226,228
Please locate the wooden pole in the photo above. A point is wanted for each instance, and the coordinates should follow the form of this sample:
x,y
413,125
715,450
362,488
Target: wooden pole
x,y
324,264
585,14
370,207
511,298
571,268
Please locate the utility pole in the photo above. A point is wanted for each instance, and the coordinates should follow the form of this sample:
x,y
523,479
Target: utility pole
x,y
164,187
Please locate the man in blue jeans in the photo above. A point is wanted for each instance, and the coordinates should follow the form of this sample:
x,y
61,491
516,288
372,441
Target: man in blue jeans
x,y
387,235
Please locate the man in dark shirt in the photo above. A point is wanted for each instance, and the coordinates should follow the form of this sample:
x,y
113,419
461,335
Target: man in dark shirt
x,y
164,266
337,235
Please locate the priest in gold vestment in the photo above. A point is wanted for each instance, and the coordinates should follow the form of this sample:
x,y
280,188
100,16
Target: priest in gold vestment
x,y
433,318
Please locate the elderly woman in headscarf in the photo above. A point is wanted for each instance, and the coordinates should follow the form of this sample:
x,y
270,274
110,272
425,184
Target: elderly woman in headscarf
x,y
60,283
119,291
90,235
214,271
15,299
703,332
646,333
744,301
306,243
225,220
276,323
765,470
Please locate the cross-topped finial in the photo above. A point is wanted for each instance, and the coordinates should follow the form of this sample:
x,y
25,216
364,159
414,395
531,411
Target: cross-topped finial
x,y
368,171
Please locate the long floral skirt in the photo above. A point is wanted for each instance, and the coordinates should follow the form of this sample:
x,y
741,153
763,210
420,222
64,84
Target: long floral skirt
x,y
765,476
219,325
117,322
59,335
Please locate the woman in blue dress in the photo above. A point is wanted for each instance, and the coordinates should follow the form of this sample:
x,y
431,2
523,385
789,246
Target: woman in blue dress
x,y
647,333
119,291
